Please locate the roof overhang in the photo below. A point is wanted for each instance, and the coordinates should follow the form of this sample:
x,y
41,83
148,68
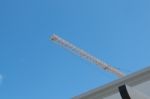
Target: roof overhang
x,y
139,80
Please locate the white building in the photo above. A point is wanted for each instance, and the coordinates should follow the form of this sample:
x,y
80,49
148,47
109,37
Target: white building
x,y
134,86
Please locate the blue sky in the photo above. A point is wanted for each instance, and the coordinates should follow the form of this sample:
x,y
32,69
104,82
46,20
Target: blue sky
x,y
33,67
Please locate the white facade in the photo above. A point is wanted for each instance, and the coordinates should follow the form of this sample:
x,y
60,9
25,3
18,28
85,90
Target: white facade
x,y
137,87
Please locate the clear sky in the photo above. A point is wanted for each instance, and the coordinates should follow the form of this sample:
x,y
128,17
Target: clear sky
x,y
33,67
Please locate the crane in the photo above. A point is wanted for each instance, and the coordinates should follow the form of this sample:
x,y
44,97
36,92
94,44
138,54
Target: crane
x,y
66,44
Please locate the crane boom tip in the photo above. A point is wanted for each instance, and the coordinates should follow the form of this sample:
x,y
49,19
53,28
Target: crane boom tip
x,y
53,37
